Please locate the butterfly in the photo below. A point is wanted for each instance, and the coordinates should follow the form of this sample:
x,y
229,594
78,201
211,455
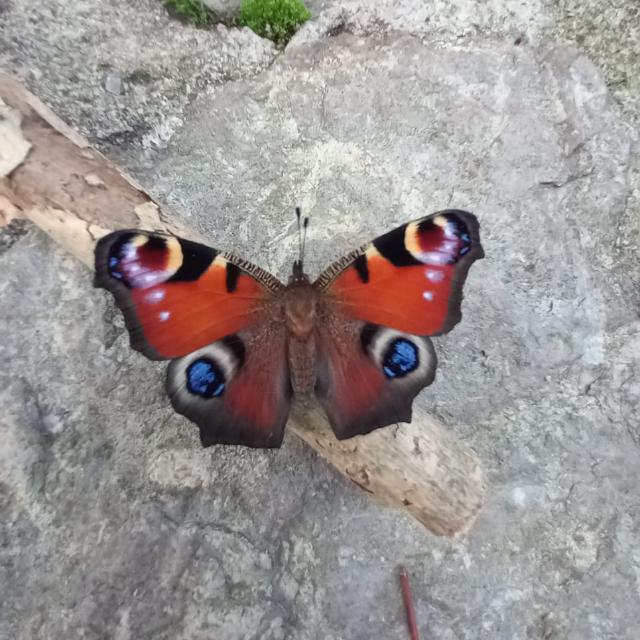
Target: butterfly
x,y
241,342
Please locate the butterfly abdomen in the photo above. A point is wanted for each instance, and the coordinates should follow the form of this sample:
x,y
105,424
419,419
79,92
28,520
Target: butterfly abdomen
x,y
301,314
302,363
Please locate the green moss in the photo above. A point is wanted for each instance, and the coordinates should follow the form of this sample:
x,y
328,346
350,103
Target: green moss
x,y
273,19
192,11
277,20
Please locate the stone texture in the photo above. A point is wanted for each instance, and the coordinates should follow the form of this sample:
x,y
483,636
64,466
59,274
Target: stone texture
x,y
115,524
442,21
224,8
66,52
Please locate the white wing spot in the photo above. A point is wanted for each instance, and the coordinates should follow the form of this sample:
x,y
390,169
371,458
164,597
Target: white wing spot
x,y
434,276
155,296
435,258
163,316
427,295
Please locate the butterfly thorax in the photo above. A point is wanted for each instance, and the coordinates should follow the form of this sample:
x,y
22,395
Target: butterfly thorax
x,y
301,310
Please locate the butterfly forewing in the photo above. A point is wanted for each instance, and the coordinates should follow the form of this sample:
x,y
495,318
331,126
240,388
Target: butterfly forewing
x,y
411,278
176,295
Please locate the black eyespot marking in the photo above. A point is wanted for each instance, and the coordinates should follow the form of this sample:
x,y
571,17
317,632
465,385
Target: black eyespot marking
x,y
196,259
367,334
205,379
361,265
391,246
154,243
236,346
233,273
400,358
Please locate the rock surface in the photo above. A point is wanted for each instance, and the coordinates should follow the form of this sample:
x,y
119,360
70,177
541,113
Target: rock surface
x,y
115,524
224,8
69,53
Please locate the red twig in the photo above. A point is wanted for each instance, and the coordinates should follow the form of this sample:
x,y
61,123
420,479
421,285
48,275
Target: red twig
x,y
408,604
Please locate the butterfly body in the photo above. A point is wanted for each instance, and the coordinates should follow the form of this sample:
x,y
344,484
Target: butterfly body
x,y
301,306
241,343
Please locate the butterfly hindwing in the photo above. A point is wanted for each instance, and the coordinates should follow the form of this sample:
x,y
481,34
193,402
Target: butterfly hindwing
x,y
368,375
236,390
411,278
176,295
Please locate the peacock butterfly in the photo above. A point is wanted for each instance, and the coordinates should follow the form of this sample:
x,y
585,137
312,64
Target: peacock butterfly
x,y
241,342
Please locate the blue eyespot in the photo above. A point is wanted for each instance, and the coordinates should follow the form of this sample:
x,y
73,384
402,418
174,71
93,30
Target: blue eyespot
x,y
114,263
400,359
466,243
205,379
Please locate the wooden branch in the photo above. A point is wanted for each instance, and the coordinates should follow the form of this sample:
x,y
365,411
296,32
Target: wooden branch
x,y
52,176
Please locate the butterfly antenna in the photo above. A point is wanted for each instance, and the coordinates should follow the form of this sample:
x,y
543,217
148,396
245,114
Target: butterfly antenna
x,y
305,225
298,217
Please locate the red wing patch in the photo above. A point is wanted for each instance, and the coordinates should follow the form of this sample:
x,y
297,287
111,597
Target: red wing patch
x,y
348,383
368,375
411,278
236,390
176,295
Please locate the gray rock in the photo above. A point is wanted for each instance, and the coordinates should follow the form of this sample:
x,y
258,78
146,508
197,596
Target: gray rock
x,y
162,62
116,524
113,83
452,22
223,8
